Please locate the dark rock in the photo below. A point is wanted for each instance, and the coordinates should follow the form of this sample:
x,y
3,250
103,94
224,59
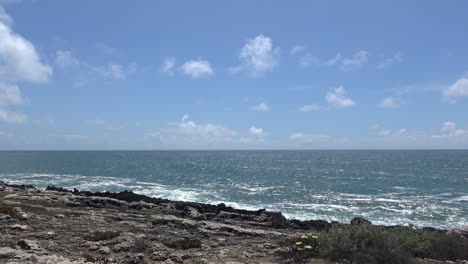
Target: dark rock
x,y
28,245
276,219
318,225
360,221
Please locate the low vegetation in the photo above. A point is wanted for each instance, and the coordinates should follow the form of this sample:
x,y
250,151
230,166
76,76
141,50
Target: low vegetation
x,y
184,244
300,248
97,260
102,235
372,244
11,211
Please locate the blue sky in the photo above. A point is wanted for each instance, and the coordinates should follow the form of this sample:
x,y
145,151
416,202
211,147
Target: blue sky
x,y
233,75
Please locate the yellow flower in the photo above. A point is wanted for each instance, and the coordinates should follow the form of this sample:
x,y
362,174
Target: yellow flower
x,y
298,243
314,237
305,237
309,247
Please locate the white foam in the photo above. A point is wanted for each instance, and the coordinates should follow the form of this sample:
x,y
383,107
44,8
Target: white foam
x,y
463,198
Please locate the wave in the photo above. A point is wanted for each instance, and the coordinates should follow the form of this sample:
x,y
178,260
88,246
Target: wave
x,y
384,209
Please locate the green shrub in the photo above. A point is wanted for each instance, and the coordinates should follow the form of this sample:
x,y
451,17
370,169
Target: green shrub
x,y
184,244
361,244
419,243
374,244
450,248
102,235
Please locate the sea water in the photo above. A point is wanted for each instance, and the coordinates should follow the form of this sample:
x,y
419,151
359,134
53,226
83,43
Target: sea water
x,y
419,187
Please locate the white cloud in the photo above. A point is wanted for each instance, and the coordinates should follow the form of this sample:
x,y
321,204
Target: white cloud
x,y
19,60
389,102
258,56
309,108
262,107
168,65
65,59
187,134
209,130
258,132
4,17
457,89
384,132
449,126
388,62
12,117
334,60
10,95
307,138
450,130
197,68
296,49
402,131
337,98
355,62
114,71
308,59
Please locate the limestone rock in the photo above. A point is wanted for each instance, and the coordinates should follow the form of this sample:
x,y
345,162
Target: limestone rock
x,y
459,232
104,250
29,245
19,227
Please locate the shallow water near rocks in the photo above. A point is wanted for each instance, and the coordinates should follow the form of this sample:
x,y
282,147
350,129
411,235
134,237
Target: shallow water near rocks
x,y
423,187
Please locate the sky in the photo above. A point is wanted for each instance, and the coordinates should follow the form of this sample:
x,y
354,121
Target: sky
x,y
150,75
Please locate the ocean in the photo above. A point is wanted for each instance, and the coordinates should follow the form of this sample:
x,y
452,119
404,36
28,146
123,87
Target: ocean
x,y
390,187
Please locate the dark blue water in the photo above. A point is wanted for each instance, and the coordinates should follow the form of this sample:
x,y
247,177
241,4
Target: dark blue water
x,y
425,188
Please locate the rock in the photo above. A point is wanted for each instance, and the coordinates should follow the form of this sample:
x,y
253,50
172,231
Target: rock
x,y
459,232
19,227
360,221
15,256
193,213
127,242
104,250
226,215
318,225
59,216
29,245
276,219
4,217
93,247
141,205
136,259
160,255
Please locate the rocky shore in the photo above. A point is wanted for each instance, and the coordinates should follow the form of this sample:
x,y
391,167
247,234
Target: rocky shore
x,y
62,226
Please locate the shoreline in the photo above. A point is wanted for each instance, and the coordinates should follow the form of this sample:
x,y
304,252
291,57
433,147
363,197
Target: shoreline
x,y
70,226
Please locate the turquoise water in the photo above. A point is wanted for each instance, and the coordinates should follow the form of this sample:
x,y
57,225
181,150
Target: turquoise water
x,y
424,188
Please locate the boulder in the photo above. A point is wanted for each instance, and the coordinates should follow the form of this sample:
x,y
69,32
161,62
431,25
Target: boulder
x,y
29,245
360,221
276,219
318,225
459,232
193,213
104,250
19,227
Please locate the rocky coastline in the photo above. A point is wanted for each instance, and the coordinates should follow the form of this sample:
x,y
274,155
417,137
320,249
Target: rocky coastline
x,y
70,226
